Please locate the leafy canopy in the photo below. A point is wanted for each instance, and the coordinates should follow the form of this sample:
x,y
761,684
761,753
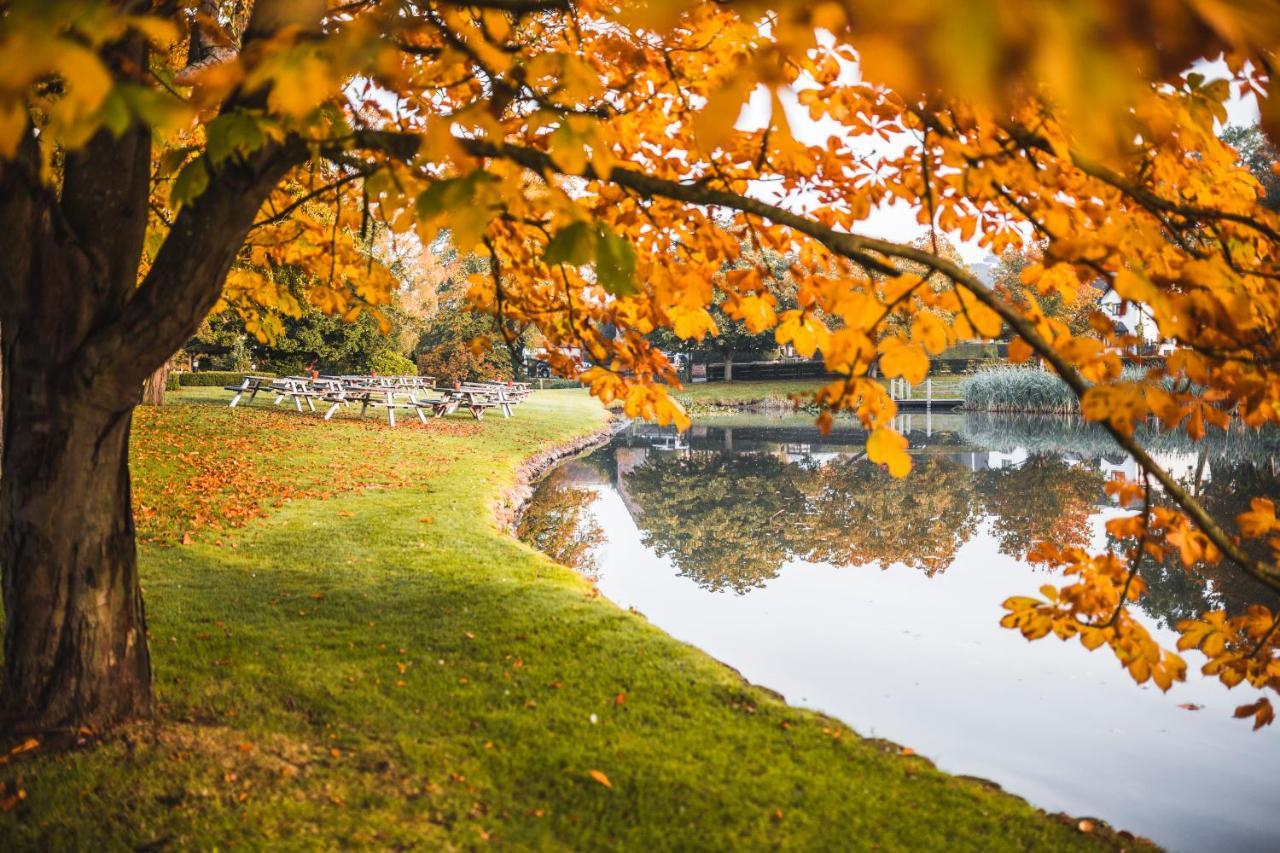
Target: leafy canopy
x,y
592,150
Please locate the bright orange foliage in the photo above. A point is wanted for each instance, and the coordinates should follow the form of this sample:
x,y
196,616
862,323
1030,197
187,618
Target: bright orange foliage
x,y
589,147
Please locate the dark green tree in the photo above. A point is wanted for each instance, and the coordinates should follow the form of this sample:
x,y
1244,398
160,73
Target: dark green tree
x,y
1258,155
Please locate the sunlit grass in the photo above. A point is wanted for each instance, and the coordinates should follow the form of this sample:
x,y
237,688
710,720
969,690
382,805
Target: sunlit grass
x,y
381,666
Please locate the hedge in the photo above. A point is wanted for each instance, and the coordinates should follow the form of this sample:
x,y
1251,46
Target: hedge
x,y
208,378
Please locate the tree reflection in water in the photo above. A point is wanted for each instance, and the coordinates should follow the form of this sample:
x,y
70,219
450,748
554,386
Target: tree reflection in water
x,y
730,519
1044,498
729,515
557,522
858,514
727,521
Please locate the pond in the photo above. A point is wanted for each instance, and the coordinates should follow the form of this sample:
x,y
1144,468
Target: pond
x,y
787,555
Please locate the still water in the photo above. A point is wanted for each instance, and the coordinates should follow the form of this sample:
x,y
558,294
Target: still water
x,y
787,555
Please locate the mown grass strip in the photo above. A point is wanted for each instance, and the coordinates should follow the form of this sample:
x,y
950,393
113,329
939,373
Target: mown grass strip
x,y
381,666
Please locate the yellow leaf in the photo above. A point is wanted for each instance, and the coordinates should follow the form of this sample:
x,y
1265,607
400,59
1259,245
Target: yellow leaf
x,y
714,122
985,321
691,322
898,358
757,312
600,777
803,331
1259,520
929,330
1020,351
159,32
886,447
567,151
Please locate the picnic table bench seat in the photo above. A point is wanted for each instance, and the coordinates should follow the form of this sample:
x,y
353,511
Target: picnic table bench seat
x,y
249,384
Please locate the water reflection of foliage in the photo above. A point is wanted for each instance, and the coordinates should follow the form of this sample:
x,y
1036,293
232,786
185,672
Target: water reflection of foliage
x,y
1043,499
557,523
859,514
728,521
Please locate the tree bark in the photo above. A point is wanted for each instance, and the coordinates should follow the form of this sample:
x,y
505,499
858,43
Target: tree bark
x,y
75,638
728,367
154,388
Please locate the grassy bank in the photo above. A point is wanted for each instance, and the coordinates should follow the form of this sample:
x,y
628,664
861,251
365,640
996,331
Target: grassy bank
x,y
348,652
776,393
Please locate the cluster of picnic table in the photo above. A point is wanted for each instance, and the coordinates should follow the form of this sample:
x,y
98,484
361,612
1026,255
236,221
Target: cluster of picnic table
x,y
421,395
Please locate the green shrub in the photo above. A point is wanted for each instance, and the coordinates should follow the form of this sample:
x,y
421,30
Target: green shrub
x,y
388,363
208,378
171,381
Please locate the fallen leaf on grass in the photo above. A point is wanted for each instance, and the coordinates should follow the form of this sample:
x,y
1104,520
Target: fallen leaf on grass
x,y
619,699
26,746
600,777
7,804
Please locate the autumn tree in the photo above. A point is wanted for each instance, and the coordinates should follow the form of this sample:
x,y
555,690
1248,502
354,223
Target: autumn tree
x,y
331,344
1075,309
157,158
458,344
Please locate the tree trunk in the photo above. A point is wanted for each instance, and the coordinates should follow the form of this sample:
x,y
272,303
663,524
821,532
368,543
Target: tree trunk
x,y
728,367
81,335
75,640
154,388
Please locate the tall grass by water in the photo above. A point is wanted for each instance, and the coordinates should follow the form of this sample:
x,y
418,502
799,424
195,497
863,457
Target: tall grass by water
x,y
1026,390
1018,389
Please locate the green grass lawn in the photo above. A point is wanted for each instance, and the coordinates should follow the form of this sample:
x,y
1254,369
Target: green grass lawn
x,y
349,652
709,396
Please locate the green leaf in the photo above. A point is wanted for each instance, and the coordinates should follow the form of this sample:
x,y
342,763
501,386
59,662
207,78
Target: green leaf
x,y
448,194
233,133
574,245
114,113
190,183
615,263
